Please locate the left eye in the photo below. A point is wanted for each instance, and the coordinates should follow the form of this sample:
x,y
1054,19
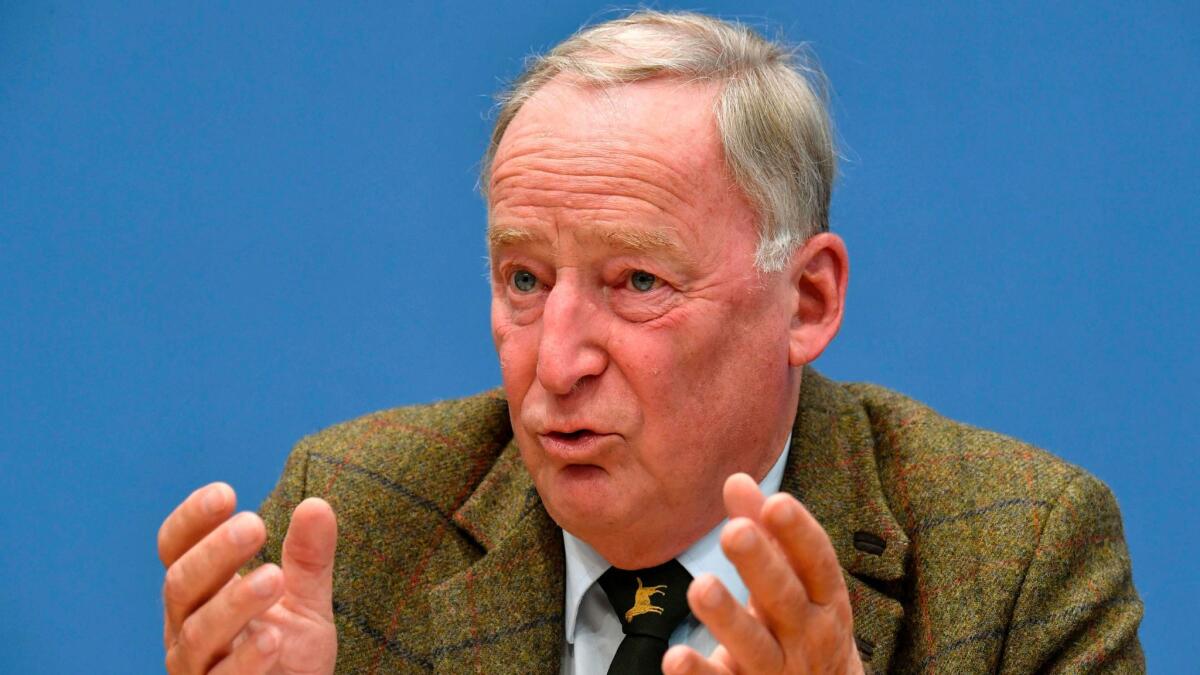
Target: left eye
x,y
524,281
642,281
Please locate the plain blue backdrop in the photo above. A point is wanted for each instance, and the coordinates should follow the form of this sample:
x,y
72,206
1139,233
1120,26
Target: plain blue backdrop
x,y
226,225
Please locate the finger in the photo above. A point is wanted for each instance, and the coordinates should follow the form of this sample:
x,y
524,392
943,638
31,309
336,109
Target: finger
x,y
745,638
252,656
170,631
780,600
681,660
743,499
308,552
198,574
208,634
807,548
194,518
721,659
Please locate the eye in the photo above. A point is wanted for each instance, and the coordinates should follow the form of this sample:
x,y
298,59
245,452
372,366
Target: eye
x,y
524,281
642,281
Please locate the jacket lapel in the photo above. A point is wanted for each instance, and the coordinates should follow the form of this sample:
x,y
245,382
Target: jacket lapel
x,y
831,469
504,612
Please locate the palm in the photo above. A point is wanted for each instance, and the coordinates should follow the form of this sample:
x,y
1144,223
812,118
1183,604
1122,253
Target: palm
x,y
308,639
279,619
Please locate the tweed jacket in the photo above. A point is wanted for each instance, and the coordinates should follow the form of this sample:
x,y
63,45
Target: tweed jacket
x,y
964,551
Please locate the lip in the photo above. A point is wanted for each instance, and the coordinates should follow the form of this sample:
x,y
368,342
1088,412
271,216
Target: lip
x,y
579,446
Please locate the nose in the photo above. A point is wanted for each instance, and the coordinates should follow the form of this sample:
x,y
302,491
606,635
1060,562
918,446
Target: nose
x,y
570,350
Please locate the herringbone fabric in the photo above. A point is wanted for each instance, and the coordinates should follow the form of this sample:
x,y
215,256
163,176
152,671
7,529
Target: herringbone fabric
x,y
964,551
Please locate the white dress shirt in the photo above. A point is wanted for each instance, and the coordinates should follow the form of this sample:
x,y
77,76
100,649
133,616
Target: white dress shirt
x,y
592,630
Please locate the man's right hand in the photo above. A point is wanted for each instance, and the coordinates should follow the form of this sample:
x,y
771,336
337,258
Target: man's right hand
x,y
270,621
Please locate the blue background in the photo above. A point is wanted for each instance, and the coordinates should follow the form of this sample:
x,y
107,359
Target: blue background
x,y
224,227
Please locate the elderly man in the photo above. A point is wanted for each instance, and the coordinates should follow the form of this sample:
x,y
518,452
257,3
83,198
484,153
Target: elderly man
x,y
661,467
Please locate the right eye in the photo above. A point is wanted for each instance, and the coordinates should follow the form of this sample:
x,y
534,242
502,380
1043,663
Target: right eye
x,y
524,281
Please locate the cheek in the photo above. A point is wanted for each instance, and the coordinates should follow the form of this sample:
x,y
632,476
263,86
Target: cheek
x,y
658,366
516,348
708,356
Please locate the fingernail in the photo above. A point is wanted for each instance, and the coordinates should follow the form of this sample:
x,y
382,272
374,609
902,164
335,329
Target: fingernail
x,y
239,529
264,583
784,515
711,597
214,501
266,641
742,540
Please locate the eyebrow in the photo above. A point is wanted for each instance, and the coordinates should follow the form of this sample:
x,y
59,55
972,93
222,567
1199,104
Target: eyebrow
x,y
499,237
625,239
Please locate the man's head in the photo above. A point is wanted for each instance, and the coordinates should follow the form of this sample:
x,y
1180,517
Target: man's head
x,y
655,189
769,107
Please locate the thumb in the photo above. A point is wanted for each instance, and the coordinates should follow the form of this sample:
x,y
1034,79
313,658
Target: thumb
x,y
308,552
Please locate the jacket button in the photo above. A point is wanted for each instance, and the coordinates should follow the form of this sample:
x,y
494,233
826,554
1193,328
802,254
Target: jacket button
x,y
869,543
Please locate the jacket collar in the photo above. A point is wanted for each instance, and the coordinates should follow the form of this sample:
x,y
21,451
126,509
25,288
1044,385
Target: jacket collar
x,y
516,588
832,471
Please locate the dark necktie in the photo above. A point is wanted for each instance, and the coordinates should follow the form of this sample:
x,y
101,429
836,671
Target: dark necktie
x,y
649,603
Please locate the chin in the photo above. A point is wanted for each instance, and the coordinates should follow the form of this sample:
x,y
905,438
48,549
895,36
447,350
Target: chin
x,y
589,499
615,526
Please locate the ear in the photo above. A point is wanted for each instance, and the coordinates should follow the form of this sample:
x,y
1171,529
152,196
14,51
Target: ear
x,y
819,272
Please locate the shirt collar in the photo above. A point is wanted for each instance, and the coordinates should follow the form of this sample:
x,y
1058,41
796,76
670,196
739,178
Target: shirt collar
x,y
585,565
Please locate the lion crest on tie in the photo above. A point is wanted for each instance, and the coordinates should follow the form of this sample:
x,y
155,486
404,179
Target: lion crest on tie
x,y
641,600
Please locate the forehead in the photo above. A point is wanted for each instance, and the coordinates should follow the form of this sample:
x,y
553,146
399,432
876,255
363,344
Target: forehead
x,y
637,154
659,109
665,121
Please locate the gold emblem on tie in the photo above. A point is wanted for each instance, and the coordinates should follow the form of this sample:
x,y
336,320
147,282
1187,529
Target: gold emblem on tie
x,y
641,600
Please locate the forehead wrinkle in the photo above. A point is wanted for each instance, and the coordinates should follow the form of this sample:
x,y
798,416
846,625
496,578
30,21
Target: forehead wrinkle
x,y
591,191
622,206
623,238
577,162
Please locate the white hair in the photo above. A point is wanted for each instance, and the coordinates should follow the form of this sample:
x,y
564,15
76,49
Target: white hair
x,y
770,111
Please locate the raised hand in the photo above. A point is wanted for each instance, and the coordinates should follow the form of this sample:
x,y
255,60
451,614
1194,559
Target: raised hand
x,y
273,620
798,619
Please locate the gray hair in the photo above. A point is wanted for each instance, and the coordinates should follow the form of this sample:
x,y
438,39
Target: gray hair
x,y
771,110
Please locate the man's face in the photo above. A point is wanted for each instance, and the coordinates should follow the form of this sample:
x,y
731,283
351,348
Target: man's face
x,y
643,356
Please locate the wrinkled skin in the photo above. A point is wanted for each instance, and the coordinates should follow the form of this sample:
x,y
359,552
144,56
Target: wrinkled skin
x,y
631,406
646,360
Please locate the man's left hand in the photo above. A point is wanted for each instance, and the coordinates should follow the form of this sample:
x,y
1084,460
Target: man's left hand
x,y
798,619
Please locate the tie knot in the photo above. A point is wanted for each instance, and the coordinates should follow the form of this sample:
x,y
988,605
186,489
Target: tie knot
x,y
650,601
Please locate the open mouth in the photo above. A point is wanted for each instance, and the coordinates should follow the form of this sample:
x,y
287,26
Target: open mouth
x,y
571,436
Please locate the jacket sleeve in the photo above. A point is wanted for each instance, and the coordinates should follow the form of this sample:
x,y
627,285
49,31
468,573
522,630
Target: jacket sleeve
x,y
1077,610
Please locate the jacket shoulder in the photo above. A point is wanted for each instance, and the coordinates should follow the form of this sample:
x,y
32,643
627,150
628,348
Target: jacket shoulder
x,y
431,453
937,471
444,433
1009,543
404,467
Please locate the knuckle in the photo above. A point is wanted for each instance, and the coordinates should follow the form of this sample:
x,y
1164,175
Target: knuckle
x,y
240,597
191,635
783,604
164,541
308,555
842,612
174,586
177,661
827,636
